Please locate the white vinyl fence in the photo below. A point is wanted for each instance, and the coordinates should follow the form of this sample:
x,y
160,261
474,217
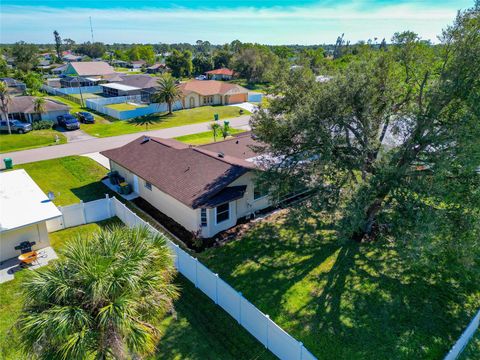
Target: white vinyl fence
x,y
265,330
462,342
101,105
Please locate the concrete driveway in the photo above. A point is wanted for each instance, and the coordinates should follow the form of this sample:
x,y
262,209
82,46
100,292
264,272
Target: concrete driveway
x,y
76,135
94,145
247,106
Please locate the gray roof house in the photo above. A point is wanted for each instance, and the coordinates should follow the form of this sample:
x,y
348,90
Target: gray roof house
x,y
22,108
205,189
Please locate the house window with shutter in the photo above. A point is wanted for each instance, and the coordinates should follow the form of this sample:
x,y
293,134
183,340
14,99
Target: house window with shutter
x,y
203,217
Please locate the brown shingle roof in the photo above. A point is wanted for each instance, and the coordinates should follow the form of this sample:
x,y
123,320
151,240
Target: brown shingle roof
x,y
240,146
24,104
222,71
140,81
190,175
86,68
211,87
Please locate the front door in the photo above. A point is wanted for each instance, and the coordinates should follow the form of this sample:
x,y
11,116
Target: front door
x,y
135,184
192,102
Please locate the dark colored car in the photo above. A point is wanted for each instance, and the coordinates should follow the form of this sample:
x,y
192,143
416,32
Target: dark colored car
x,y
85,117
68,121
16,126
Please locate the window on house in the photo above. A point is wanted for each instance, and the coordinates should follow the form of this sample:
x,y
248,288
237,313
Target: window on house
x,y
148,185
258,193
222,213
203,217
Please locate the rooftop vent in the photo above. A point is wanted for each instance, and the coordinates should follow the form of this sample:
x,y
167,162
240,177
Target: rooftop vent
x,y
145,139
236,142
221,155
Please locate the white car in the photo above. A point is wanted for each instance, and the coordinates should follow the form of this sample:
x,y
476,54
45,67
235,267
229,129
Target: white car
x,y
201,77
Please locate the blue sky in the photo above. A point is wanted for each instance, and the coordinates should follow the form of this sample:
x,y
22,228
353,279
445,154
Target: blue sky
x,y
268,21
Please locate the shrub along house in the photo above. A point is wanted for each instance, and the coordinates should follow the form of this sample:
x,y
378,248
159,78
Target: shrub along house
x,y
205,189
23,108
210,92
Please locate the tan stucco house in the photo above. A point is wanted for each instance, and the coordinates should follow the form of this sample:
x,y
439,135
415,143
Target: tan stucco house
x,y
205,189
24,212
211,92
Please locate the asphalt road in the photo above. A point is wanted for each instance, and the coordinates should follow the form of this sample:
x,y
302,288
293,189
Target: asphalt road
x,y
101,144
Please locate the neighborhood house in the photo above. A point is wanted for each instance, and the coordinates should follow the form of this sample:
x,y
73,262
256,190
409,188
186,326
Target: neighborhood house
x,y
204,188
23,108
127,85
210,92
220,74
89,68
25,209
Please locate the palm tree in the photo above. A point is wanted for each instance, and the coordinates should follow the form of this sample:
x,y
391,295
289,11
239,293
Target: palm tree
x,y
100,299
225,129
215,127
39,105
168,91
4,101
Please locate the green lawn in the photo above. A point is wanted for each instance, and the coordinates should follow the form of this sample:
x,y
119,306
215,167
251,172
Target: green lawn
x,y
198,329
71,178
346,300
204,137
162,121
99,118
472,351
124,106
85,96
33,139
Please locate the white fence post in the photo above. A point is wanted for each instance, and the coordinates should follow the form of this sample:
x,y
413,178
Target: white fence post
x,y
267,328
83,212
109,205
240,296
196,272
216,289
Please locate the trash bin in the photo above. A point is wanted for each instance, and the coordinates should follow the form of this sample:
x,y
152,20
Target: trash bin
x,y
8,163
215,116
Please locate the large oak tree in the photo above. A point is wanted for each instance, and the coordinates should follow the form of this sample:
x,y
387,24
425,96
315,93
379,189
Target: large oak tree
x,y
397,128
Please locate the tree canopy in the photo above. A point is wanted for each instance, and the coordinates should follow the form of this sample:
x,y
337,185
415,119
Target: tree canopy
x,y
393,138
100,298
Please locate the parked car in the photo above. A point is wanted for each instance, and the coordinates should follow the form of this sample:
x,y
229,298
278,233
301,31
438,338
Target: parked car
x,y
68,121
16,126
201,77
85,117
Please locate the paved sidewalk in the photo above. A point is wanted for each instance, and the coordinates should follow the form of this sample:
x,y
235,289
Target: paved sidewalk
x,y
101,144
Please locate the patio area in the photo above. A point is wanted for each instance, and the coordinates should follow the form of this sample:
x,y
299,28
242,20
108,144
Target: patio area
x,y
9,267
131,196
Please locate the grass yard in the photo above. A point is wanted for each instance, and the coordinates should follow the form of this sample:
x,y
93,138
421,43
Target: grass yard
x,y
162,121
204,137
124,106
71,178
198,330
99,118
31,140
342,299
85,96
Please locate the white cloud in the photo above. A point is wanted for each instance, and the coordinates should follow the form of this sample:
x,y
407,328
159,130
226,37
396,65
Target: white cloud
x,y
306,24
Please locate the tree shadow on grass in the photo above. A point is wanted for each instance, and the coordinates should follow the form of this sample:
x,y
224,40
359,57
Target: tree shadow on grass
x,y
92,191
345,300
202,330
149,120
